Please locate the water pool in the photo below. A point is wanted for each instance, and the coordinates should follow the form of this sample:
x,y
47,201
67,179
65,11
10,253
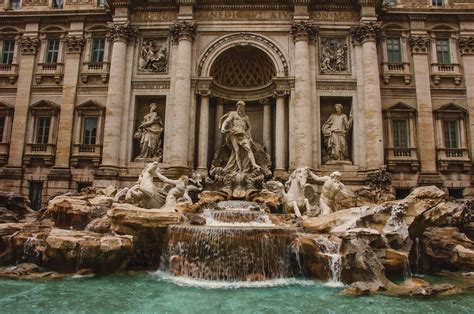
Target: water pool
x,y
157,292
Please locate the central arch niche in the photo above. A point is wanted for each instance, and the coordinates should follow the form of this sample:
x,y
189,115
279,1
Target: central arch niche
x,y
243,72
243,67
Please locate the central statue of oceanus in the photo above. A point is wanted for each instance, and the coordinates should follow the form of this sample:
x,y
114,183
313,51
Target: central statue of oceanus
x,y
240,165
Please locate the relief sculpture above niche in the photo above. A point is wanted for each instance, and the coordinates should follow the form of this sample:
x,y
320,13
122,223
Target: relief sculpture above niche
x,y
154,55
333,56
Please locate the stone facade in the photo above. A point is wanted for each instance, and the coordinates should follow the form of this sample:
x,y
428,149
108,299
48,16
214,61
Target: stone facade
x,y
76,84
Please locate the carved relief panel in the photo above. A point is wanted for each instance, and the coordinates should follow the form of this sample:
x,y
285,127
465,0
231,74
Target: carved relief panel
x,y
154,55
334,56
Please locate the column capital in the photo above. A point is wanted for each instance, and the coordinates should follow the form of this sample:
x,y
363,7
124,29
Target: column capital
x,y
419,43
28,45
281,93
203,92
303,30
74,44
466,45
183,30
264,101
365,31
121,32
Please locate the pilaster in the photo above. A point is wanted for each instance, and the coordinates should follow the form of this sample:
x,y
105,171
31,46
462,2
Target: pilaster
x,y
420,45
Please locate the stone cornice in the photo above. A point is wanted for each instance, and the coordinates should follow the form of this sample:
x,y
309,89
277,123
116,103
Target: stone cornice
x,y
419,43
183,30
28,45
366,31
303,30
123,32
74,44
466,45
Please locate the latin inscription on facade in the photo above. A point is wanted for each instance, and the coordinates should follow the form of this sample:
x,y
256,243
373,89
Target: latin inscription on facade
x,y
154,16
243,15
335,16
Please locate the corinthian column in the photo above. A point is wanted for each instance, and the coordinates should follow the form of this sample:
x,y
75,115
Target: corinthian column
x,y
119,34
203,145
466,46
280,132
177,136
302,32
420,48
74,46
366,34
28,48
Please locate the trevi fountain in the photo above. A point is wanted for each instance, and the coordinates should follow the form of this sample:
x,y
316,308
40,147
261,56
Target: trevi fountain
x,y
239,239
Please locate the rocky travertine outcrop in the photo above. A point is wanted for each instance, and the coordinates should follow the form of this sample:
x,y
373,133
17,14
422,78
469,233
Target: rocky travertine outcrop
x,y
148,228
69,251
13,207
77,211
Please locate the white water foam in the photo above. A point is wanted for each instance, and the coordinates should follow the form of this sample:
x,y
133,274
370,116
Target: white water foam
x,y
205,284
211,221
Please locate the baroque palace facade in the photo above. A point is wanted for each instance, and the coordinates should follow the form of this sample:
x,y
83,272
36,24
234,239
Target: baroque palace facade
x,y
78,77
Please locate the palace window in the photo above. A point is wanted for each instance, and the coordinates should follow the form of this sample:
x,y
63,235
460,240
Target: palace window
x,y
15,4
400,133
98,48
87,134
442,51
42,130
437,3
57,4
451,138
52,51
89,131
451,133
2,127
394,50
101,3
8,49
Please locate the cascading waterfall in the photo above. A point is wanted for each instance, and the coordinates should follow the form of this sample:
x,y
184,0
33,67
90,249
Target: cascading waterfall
x,y
406,269
417,252
332,250
228,253
30,254
236,244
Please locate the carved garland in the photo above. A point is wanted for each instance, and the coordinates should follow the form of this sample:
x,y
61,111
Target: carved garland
x,y
366,31
28,45
74,44
246,37
419,44
466,45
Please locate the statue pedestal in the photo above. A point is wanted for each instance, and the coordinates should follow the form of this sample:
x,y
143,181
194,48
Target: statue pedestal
x,y
339,162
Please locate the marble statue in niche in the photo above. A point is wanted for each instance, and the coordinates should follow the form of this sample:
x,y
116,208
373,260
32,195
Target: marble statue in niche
x,y
334,132
236,126
150,133
333,56
154,55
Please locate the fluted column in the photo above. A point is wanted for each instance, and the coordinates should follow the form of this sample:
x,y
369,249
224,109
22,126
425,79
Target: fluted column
x,y
267,125
280,131
177,134
203,146
302,32
120,35
420,48
28,48
466,46
366,33
217,129
74,46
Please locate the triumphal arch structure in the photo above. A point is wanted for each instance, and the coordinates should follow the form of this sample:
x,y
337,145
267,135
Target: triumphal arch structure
x,y
93,92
